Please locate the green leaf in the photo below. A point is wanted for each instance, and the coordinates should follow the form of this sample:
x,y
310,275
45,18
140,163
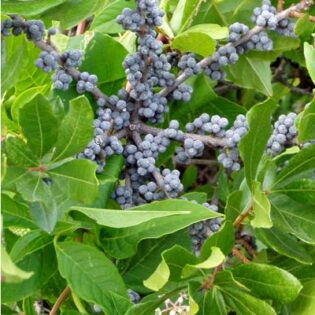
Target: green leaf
x,y
305,303
252,73
19,154
10,273
122,243
15,214
261,208
302,190
23,98
45,214
148,257
28,8
39,125
200,39
268,282
284,244
292,217
170,268
190,176
300,163
108,179
104,57
123,219
224,239
76,129
205,302
33,253
309,54
306,123
215,259
253,144
105,21
182,13
71,12
80,263
77,179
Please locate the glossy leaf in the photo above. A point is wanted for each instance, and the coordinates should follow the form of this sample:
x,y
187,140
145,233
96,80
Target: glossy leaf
x,y
306,123
80,263
309,53
301,162
32,253
75,131
122,243
268,282
252,73
39,125
284,244
28,8
77,179
253,144
103,57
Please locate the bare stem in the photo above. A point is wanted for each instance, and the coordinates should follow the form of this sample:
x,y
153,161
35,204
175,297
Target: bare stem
x,y
240,256
62,297
299,14
280,5
239,220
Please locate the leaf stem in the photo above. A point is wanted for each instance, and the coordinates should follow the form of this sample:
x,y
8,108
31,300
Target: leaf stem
x,y
62,297
240,256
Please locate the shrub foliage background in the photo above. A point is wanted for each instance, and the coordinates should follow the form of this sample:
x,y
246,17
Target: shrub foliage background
x,y
234,233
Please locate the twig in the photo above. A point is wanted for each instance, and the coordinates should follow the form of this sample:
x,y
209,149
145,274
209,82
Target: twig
x,y
299,14
280,5
303,5
201,162
239,220
81,27
209,282
206,139
62,297
240,256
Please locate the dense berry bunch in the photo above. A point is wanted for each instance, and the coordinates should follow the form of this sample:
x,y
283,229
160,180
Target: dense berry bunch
x,y
62,79
260,41
236,31
34,30
265,16
201,231
183,92
123,195
47,61
225,56
283,133
214,71
86,83
72,58
229,156
189,64
286,27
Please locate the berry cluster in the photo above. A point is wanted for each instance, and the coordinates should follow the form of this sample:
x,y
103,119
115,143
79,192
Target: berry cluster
x,y
86,83
72,58
201,231
265,16
229,156
47,61
236,31
286,28
61,79
284,131
189,64
34,30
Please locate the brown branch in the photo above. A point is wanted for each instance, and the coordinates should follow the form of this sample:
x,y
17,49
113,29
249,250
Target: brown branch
x,y
280,5
81,28
240,256
299,14
209,282
41,168
239,220
62,297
